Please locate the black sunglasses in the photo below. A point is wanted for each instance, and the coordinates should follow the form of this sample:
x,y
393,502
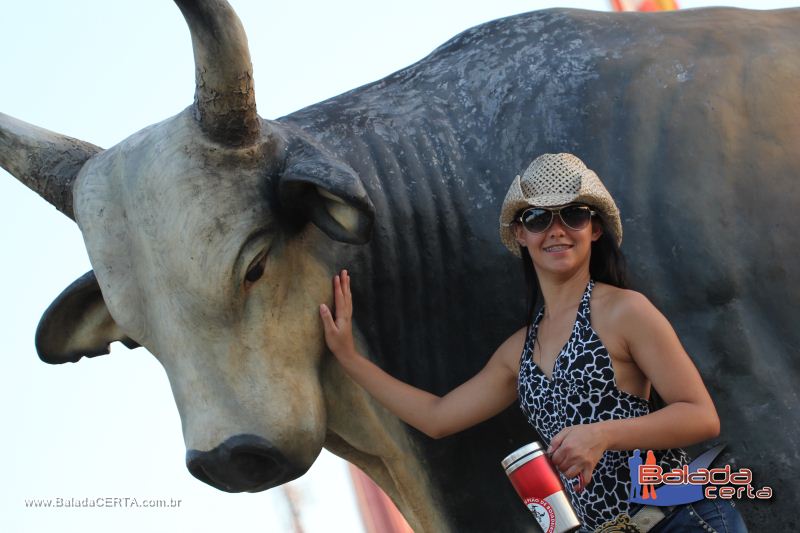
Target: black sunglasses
x,y
539,219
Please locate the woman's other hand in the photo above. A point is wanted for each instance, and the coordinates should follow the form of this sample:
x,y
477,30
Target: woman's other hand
x,y
575,451
339,330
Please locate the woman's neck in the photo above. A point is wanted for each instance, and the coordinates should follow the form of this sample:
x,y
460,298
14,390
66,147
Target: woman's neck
x,y
561,293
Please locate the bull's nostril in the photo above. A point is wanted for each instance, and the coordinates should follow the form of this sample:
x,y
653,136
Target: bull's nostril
x,y
197,470
255,467
242,463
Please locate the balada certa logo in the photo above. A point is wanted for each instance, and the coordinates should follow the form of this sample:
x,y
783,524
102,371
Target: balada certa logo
x,y
651,485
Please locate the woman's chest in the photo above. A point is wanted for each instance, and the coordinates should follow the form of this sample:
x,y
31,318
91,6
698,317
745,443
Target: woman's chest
x,y
581,390
585,365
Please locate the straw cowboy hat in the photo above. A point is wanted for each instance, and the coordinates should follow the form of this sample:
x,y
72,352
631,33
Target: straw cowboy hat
x,y
552,180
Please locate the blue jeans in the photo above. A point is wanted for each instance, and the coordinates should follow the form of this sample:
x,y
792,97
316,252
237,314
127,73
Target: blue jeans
x,y
706,516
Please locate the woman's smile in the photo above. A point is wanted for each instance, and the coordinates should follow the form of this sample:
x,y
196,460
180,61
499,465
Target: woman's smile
x,y
557,248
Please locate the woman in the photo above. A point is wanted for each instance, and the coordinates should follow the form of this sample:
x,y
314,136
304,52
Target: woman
x,y
588,357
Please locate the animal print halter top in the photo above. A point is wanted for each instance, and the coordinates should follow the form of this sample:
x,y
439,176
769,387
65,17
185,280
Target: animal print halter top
x,y
583,390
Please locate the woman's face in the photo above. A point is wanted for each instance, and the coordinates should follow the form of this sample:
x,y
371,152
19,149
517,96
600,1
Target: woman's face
x,y
559,249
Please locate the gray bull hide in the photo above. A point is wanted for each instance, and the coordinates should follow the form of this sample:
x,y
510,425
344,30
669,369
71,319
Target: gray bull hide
x,y
213,233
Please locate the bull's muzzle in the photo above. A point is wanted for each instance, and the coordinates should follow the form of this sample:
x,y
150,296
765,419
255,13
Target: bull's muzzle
x,y
244,463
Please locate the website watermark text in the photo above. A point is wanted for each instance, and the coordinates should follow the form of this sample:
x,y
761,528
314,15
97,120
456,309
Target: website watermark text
x,y
103,502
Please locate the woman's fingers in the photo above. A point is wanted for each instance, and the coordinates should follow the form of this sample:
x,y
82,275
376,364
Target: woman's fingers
x,y
348,296
580,477
577,482
342,301
555,444
342,295
586,477
581,481
327,319
338,296
560,456
336,319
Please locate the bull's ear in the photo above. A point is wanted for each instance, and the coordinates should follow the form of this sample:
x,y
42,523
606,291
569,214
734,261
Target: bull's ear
x,y
77,324
330,194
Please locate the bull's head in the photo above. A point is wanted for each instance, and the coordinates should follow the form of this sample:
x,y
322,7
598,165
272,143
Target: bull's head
x,y
209,237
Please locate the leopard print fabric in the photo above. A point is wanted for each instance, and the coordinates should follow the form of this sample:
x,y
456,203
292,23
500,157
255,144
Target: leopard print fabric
x,y
583,390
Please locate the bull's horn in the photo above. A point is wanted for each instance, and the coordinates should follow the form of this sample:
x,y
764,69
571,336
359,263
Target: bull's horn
x,y
225,99
45,161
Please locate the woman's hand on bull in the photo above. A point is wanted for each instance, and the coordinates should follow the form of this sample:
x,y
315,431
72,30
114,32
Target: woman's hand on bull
x,y
339,329
575,451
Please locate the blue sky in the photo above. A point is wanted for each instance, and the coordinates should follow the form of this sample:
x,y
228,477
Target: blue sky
x,y
100,71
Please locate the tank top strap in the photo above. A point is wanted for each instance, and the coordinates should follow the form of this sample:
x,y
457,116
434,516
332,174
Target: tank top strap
x,y
581,321
530,338
585,309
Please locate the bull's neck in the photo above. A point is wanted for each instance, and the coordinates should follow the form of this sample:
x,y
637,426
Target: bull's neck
x,y
368,436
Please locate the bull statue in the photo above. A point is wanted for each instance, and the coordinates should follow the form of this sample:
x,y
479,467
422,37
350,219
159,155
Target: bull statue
x,y
213,236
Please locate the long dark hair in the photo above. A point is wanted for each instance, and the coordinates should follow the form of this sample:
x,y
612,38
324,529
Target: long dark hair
x,y
606,264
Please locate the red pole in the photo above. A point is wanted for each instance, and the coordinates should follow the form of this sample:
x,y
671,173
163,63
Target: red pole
x,y
377,510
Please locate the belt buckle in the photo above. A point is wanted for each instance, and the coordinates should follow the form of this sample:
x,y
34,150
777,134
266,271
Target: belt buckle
x,y
643,520
647,517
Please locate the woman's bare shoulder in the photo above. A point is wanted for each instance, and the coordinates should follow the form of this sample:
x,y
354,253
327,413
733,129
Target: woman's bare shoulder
x,y
619,303
517,339
508,353
630,312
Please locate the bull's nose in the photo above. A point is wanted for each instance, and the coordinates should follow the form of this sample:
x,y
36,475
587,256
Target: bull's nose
x,y
242,463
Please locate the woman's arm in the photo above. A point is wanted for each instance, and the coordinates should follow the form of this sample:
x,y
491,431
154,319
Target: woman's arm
x,y
689,416
489,392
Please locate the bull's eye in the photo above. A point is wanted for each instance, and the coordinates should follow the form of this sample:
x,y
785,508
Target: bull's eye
x,y
256,269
